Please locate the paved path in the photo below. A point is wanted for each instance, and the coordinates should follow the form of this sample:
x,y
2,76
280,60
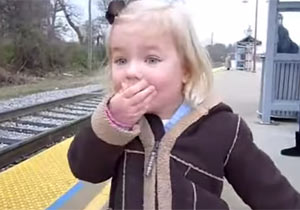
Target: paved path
x,y
241,90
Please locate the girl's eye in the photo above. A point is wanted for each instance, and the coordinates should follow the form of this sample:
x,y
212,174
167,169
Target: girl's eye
x,y
152,60
120,61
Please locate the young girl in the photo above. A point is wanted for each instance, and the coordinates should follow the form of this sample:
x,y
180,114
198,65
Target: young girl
x,y
163,137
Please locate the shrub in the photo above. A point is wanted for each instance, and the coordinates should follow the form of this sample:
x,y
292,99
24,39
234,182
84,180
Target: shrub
x,y
7,54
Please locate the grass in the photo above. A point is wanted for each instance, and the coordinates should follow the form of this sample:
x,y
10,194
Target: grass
x,y
51,83
57,83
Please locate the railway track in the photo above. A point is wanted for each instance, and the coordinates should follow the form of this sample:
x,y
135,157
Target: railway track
x,y
26,130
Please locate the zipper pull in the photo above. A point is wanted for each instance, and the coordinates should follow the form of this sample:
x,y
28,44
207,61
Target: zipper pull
x,y
152,158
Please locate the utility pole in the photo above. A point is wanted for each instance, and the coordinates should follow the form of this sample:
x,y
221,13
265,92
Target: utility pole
x,y
212,39
90,41
255,37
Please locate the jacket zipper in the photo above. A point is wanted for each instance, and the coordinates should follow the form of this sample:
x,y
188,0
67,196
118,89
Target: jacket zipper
x,y
152,159
150,165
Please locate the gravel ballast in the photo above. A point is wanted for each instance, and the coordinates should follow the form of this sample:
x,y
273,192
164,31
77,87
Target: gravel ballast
x,y
15,103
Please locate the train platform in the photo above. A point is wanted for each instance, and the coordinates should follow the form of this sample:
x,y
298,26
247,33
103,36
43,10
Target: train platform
x,y
46,182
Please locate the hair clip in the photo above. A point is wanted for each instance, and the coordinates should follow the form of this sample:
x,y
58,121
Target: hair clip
x,y
113,10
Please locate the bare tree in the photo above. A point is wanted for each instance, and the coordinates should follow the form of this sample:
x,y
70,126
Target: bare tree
x,y
102,6
23,24
90,41
52,20
72,15
15,14
3,17
100,23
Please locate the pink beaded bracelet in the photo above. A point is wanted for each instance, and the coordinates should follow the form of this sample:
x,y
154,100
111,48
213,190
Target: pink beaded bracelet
x,y
114,122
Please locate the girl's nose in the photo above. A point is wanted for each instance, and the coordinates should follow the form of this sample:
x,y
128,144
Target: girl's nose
x,y
133,71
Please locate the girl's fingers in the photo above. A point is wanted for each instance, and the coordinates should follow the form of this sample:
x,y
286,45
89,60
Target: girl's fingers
x,y
143,105
140,97
123,87
150,98
134,89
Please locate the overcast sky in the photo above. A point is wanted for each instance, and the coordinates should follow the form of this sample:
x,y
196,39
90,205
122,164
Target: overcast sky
x,y
228,19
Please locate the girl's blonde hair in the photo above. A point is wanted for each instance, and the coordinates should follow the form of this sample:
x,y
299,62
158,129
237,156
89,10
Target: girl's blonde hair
x,y
172,17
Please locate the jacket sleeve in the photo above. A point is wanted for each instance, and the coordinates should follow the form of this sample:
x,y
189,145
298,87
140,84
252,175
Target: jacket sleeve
x,y
96,149
254,176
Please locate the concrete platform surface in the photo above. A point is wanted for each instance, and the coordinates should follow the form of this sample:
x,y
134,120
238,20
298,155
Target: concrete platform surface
x,y
241,90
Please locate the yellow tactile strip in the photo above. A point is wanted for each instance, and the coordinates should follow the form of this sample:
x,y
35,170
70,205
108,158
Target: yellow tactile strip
x,y
37,182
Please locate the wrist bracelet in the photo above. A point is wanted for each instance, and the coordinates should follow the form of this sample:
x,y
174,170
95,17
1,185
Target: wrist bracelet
x,y
115,122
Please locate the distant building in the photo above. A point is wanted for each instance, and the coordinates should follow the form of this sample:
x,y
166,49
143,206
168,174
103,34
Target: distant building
x,y
244,53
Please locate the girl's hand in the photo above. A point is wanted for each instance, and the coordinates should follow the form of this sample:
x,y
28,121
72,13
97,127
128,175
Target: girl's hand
x,y
131,103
